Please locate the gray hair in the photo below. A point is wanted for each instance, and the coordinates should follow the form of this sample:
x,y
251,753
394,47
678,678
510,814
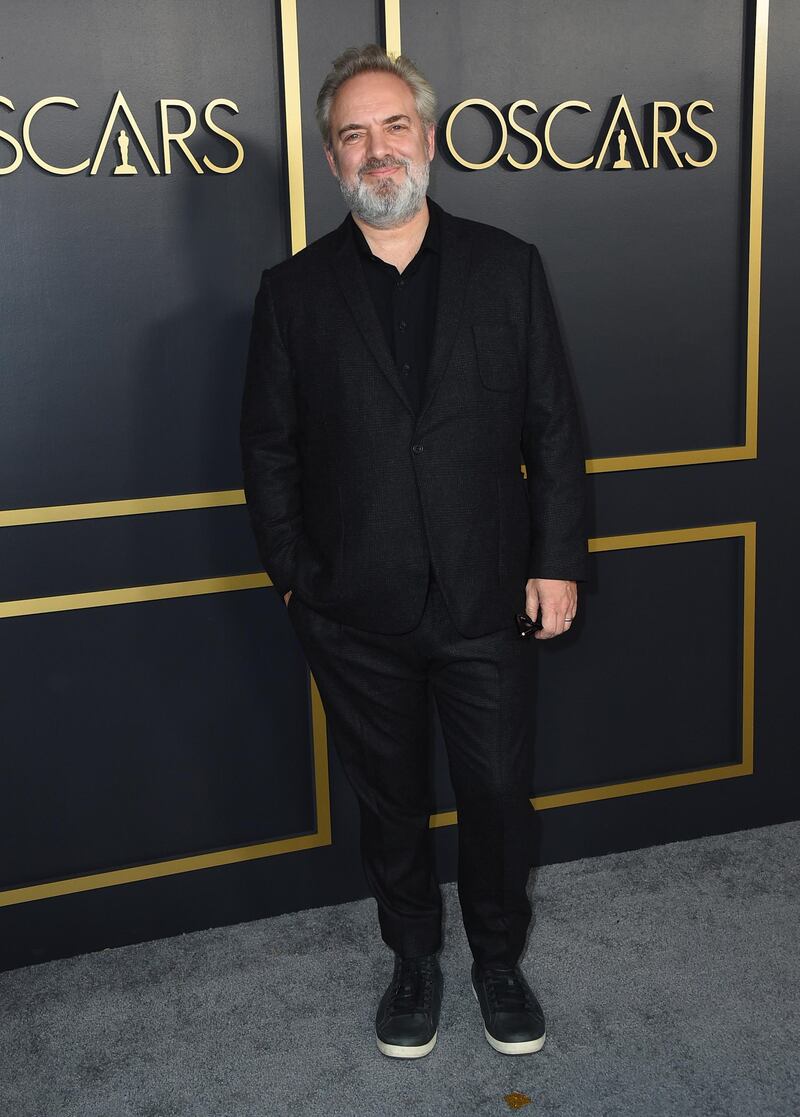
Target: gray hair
x,y
370,59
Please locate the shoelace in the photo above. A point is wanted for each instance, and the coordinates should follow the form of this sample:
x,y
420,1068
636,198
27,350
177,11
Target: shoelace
x,y
413,984
505,990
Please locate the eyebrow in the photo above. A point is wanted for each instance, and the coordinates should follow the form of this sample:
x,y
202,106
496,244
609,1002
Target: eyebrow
x,y
387,120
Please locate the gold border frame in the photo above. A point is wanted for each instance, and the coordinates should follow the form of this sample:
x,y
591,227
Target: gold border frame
x,y
744,767
294,155
86,882
749,449
759,98
322,835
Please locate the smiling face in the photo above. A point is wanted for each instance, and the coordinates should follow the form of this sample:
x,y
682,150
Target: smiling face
x,y
380,151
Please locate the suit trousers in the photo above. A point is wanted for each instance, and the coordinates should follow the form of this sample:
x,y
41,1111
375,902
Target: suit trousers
x,y
375,691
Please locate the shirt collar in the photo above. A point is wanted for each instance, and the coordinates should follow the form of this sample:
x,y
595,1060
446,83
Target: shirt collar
x,y
432,241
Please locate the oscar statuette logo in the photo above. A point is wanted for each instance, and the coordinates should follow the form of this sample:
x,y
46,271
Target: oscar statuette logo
x,y
621,162
124,167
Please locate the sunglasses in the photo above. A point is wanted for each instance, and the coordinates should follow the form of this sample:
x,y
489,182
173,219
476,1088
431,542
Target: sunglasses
x,y
525,625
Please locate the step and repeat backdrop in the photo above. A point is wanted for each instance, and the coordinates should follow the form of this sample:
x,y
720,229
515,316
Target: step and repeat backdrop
x,y
165,764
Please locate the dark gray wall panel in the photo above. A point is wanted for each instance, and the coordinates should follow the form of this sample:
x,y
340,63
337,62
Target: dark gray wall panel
x,y
131,295
150,730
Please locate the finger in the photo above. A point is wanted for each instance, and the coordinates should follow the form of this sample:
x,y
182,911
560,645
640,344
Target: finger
x,y
549,625
560,622
569,611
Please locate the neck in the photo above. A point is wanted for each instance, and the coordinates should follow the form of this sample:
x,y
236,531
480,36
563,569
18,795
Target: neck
x,y
395,241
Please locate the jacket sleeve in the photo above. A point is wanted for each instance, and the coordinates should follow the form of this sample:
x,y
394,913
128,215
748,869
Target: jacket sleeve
x,y
269,444
552,447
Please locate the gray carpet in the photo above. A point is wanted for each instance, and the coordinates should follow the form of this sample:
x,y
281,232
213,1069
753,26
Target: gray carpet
x,y
669,977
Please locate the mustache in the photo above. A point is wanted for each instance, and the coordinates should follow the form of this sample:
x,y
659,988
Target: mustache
x,y
381,166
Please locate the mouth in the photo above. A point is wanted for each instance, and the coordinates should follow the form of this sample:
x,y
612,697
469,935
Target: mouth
x,y
380,172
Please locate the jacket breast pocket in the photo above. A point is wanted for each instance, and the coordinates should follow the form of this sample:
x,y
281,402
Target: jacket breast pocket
x,y
499,363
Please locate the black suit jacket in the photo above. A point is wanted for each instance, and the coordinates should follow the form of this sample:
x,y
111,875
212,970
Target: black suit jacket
x,y
349,490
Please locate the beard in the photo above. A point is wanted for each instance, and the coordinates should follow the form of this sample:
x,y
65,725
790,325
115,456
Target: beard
x,y
387,203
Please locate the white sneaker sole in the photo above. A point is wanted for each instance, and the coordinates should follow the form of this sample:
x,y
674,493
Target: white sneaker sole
x,y
396,1051
520,1047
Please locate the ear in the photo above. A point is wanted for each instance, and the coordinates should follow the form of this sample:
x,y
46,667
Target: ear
x,y
430,140
330,159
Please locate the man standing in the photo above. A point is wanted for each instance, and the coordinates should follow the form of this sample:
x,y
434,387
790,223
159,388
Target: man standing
x,y
400,370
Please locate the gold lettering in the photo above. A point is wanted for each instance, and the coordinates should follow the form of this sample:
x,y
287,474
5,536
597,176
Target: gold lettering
x,y
17,146
665,136
700,131
26,136
120,104
212,127
522,102
548,126
449,133
622,107
168,137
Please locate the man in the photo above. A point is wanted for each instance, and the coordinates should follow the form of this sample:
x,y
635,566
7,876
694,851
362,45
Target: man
x,y
400,370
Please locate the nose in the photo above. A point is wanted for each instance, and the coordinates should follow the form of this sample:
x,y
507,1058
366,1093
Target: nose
x,y
378,145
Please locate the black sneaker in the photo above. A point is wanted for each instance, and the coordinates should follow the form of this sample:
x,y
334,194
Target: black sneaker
x,y
512,1017
407,1021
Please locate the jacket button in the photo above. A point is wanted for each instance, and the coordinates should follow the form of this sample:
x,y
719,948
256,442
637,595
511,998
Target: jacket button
x,y
417,448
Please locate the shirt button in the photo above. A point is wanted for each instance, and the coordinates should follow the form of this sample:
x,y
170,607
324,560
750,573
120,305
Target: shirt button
x,y
401,283
416,448
402,324
406,369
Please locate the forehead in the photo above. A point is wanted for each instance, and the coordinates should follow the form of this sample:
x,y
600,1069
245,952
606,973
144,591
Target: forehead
x,y
368,97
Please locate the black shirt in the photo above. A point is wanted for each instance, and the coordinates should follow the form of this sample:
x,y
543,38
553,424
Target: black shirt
x,y
406,302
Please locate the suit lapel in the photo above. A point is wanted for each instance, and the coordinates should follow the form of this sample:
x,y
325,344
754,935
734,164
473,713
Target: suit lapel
x,y
454,266
453,272
350,276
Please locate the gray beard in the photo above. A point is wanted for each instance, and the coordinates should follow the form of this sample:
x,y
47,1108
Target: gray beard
x,y
388,204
